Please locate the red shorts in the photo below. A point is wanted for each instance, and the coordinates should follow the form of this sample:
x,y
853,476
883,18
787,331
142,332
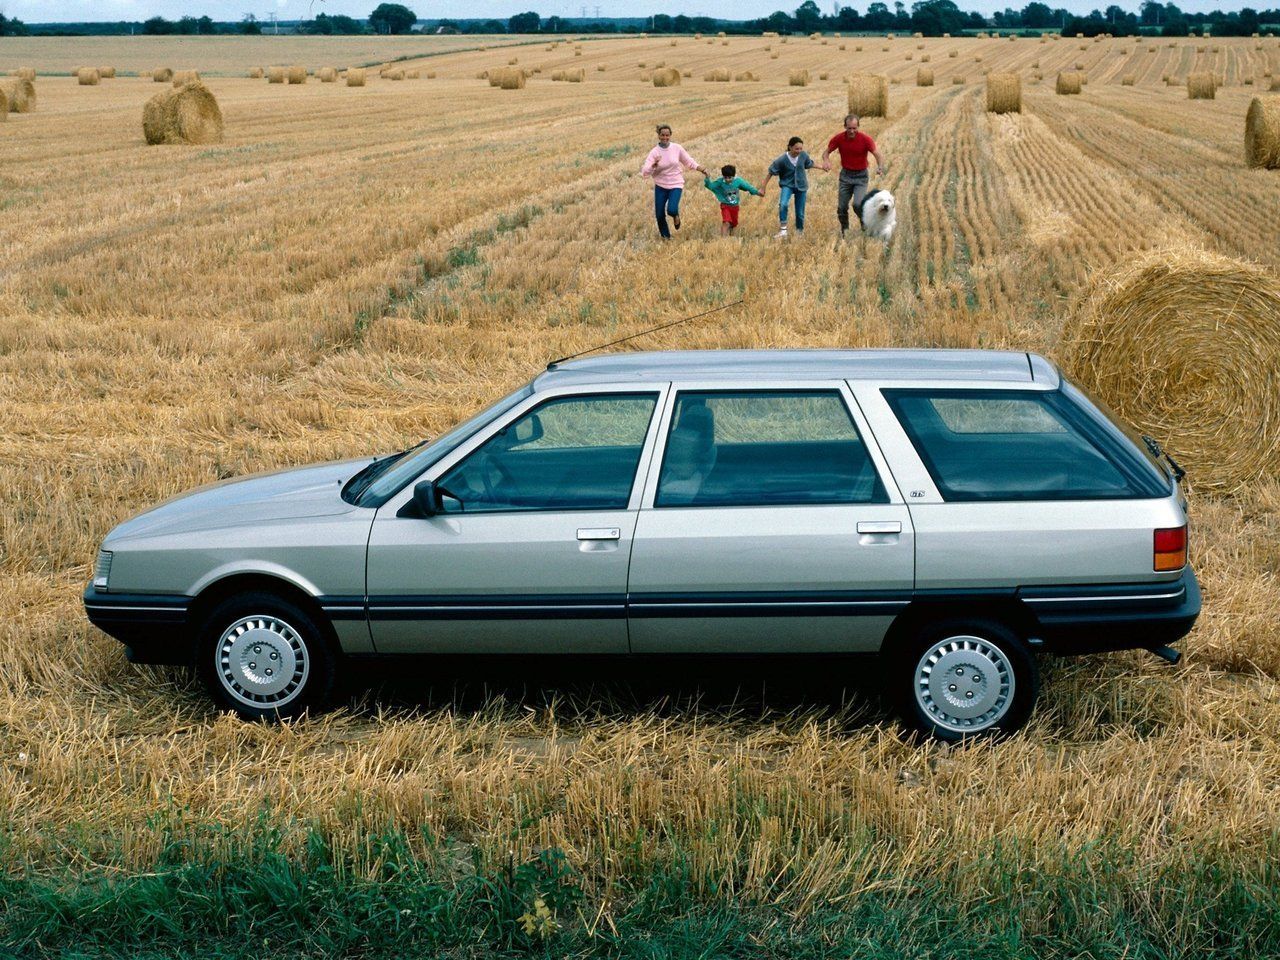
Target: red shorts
x,y
729,214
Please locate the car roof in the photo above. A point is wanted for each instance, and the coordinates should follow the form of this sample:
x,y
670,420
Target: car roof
x,y
922,364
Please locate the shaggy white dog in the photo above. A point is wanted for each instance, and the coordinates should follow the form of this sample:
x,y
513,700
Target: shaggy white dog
x,y
879,215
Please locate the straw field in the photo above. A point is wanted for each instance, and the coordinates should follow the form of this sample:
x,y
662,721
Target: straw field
x,y
323,283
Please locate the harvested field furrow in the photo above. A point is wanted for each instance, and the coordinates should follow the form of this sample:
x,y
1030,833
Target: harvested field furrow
x,y
1231,207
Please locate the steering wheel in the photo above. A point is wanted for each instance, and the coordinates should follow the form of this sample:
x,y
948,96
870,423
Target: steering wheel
x,y
490,465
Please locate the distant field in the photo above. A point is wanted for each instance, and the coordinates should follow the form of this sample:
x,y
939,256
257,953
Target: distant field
x,y
355,269
225,56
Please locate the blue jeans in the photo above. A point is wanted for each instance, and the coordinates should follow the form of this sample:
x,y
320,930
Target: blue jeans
x,y
666,202
784,197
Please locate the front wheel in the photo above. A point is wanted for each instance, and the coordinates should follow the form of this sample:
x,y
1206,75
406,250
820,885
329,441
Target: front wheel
x,y
265,658
966,678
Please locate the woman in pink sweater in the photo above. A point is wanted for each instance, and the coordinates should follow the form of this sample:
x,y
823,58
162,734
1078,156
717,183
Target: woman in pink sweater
x,y
666,164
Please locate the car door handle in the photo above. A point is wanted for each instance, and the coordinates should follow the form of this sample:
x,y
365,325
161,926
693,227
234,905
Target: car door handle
x,y
599,533
880,526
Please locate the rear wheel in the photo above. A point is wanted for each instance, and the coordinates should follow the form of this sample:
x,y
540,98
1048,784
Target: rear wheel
x,y
965,678
265,657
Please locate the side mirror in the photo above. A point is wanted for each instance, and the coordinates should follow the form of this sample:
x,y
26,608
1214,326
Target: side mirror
x,y
426,498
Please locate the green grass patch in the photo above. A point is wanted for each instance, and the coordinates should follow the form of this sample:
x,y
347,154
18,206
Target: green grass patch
x,y
221,894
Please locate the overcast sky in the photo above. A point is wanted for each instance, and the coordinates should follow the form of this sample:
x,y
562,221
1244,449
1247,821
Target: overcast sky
x,y
40,11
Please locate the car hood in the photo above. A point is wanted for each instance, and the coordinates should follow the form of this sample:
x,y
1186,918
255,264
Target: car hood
x,y
291,494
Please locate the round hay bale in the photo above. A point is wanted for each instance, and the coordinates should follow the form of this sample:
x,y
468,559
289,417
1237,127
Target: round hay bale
x,y
1069,82
296,74
185,114
161,75
25,73
953,54
575,76
512,79
924,77
4,106
107,73
513,61
824,76
957,80
1275,85
1079,67
798,78
275,75
600,68
390,75
355,76
666,77
1185,345
774,56
1201,86
327,74
1128,80
88,77
925,59
718,75
21,95
687,74
256,73
1004,93
557,76
408,75
868,95
186,76
1262,133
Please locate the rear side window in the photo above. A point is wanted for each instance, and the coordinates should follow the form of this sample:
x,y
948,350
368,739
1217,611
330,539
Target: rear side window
x,y
765,448
1020,445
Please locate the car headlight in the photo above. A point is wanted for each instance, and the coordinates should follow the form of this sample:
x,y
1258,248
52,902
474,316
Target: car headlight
x,y
102,570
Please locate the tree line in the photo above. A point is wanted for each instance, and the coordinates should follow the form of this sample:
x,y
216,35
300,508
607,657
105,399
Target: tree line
x,y
928,17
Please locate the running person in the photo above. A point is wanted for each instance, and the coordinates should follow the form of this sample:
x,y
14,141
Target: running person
x,y
853,146
666,164
726,188
793,181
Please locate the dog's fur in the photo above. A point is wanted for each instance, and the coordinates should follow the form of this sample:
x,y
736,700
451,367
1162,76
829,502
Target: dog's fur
x,y
879,215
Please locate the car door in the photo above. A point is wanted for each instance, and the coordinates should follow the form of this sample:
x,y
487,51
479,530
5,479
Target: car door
x,y
770,525
529,550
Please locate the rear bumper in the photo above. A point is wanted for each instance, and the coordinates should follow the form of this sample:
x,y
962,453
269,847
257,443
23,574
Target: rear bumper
x,y
153,627
1114,617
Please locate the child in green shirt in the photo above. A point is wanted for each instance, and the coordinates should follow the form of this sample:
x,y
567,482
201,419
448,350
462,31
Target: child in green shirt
x,y
726,188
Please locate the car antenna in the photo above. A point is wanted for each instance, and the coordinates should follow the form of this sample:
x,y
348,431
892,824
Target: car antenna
x,y
643,333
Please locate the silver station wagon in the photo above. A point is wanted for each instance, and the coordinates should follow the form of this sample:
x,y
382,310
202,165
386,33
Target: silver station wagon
x,y
952,511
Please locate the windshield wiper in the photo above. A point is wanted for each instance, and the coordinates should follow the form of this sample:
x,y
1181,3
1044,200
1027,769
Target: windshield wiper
x,y
1158,452
367,474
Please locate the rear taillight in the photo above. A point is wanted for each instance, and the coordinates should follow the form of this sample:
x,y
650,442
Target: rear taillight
x,y
1171,548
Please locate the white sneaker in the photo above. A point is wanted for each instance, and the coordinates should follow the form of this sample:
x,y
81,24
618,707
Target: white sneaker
x,y
781,234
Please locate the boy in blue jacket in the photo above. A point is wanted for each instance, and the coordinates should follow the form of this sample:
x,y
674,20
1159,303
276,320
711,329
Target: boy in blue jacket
x,y
726,188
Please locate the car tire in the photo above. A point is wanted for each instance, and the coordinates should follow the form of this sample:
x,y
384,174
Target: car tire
x,y
965,678
265,657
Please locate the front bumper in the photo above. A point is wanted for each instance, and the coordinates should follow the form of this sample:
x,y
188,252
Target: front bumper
x,y
1114,617
153,627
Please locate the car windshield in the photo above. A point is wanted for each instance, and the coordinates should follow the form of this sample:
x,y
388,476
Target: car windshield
x,y
387,476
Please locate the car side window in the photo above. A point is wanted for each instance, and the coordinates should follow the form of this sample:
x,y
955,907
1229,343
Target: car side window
x,y
762,448
1013,445
569,453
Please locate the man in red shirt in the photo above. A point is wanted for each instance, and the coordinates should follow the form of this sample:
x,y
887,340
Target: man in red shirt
x,y
853,145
